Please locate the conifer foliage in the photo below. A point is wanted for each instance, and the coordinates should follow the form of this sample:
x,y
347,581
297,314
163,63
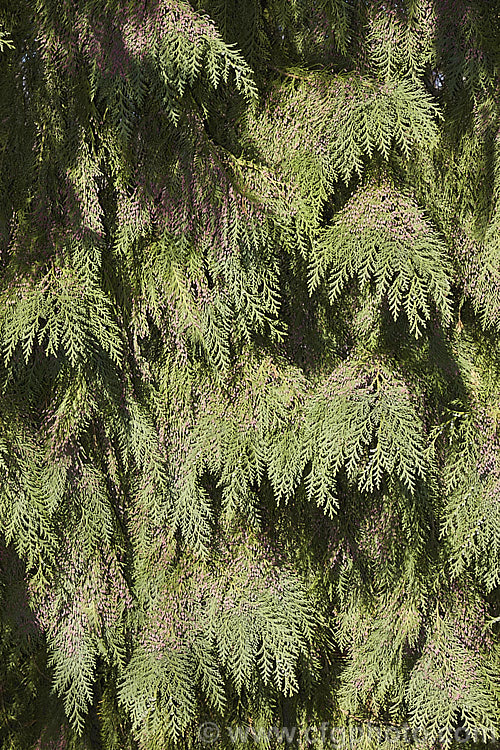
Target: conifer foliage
x,y
249,371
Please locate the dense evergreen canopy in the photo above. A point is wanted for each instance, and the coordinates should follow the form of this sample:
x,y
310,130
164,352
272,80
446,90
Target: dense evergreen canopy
x,y
249,371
